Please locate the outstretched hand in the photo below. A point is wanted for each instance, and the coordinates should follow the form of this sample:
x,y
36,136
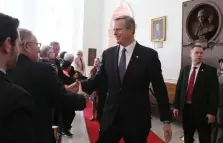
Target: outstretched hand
x,y
80,91
74,87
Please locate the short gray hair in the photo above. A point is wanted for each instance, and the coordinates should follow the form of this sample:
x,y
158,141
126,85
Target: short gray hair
x,y
129,22
25,34
44,50
79,52
53,43
69,57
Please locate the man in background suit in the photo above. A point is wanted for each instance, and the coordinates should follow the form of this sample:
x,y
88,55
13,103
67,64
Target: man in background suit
x,y
197,97
42,82
57,60
16,108
127,70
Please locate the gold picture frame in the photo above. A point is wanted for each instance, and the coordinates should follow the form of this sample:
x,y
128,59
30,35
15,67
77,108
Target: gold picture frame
x,y
158,29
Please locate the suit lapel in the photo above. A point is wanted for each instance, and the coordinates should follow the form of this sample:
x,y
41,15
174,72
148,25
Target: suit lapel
x,y
187,75
115,60
133,61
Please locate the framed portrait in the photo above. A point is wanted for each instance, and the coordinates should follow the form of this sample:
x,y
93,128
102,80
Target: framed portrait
x,y
158,29
91,56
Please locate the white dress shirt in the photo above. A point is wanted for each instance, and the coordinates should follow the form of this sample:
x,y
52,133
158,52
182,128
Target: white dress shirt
x,y
128,53
197,70
2,70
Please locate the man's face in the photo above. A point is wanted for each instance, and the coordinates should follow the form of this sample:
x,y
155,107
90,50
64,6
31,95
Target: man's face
x,y
56,49
201,16
79,54
121,33
51,54
11,51
96,63
33,47
197,55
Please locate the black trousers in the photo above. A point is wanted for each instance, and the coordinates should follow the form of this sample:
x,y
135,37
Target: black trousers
x,y
100,107
67,119
117,131
191,123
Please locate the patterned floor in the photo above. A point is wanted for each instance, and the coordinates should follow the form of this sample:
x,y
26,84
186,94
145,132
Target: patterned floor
x,y
81,136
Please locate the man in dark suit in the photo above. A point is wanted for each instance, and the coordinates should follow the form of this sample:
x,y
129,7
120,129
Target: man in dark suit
x,y
42,82
16,108
127,70
197,97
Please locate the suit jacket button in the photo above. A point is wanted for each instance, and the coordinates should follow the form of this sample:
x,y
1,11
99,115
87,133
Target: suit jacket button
x,y
120,89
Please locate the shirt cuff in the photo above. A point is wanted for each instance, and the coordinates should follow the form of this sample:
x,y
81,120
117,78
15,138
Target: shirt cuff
x,y
166,122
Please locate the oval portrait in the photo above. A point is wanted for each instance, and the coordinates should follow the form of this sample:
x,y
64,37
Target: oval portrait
x,y
203,22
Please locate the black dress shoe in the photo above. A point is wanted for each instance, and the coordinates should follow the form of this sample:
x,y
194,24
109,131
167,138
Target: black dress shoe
x,y
67,134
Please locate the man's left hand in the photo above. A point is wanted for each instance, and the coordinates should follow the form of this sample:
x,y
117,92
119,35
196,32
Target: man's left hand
x,y
211,118
167,132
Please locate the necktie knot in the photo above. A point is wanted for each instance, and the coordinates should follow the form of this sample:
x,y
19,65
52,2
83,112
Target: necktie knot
x,y
194,68
123,50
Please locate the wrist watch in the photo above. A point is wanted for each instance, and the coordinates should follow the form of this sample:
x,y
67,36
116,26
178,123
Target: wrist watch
x,y
166,122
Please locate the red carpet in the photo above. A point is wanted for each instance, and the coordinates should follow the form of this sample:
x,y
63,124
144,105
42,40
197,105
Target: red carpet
x,y
93,127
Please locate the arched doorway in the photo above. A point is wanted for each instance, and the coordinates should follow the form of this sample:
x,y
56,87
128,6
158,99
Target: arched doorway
x,y
123,9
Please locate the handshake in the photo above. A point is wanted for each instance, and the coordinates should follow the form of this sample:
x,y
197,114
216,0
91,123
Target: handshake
x,y
76,88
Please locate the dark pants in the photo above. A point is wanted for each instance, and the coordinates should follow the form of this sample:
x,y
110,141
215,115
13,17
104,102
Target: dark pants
x,y
100,106
68,116
217,132
191,123
116,131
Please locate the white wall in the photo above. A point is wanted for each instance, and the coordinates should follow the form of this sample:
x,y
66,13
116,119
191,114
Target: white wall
x,y
93,12
143,12
50,20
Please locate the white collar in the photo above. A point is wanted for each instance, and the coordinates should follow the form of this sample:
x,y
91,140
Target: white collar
x,y
129,48
197,66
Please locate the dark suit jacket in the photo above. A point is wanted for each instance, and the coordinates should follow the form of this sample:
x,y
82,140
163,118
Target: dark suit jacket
x,y
57,63
72,71
131,97
205,92
42,82
16,113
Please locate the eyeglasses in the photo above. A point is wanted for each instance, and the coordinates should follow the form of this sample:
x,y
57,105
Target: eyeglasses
x,y
37,44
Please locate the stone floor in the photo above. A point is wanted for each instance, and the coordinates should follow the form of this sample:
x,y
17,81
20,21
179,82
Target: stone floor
x,y
81,136
177,131
78,129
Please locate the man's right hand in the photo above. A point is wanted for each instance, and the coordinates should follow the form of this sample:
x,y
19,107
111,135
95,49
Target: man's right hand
x,y
175,112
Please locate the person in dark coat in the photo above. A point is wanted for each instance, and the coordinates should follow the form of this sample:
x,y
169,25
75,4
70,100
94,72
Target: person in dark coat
x,y
16,104
42,82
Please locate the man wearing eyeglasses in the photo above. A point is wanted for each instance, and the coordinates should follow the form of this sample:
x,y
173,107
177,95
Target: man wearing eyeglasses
x,y
41,80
